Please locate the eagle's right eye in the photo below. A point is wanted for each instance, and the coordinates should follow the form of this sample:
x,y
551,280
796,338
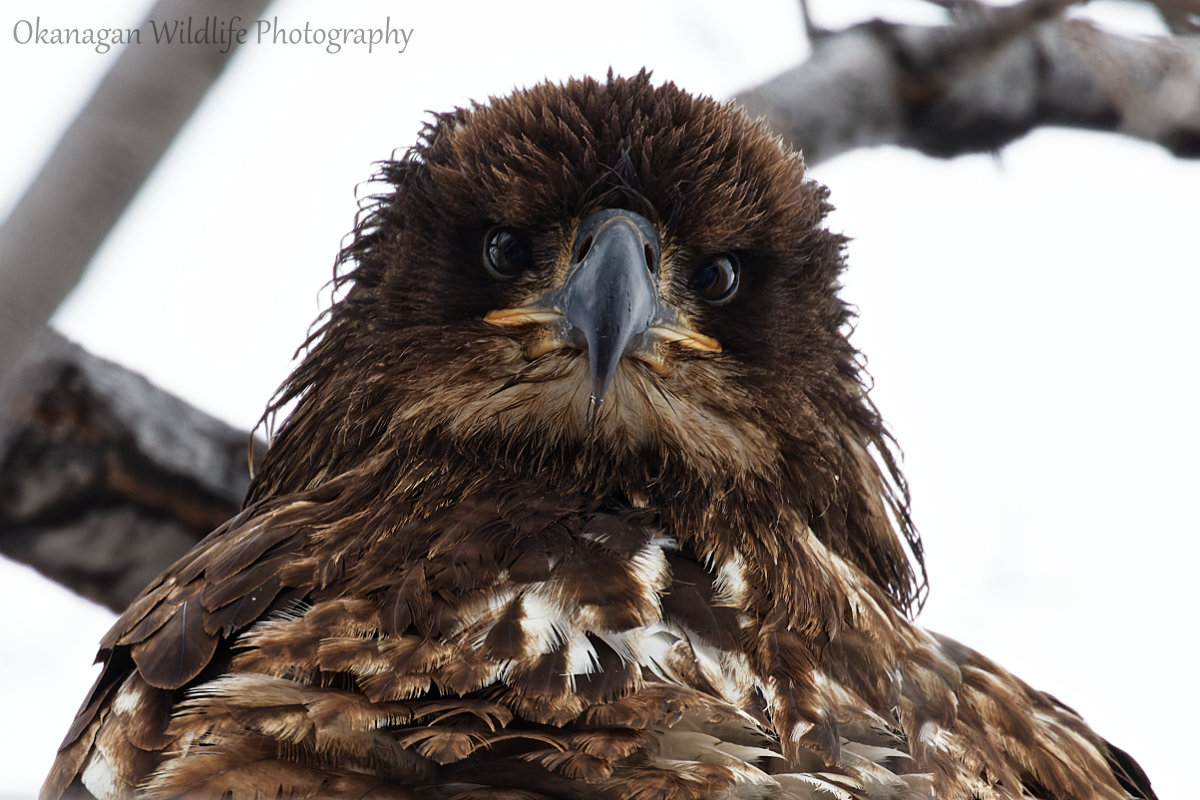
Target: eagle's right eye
x,y
506,253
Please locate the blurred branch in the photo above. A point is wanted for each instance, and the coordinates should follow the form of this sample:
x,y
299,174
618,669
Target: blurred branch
x,y
987,78
102,160
811,29
106,479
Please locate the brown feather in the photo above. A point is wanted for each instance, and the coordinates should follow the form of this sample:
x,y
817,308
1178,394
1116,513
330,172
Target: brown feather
x,y
179,650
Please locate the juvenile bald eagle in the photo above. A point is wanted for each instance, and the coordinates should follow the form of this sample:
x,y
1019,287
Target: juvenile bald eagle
x,y
582,496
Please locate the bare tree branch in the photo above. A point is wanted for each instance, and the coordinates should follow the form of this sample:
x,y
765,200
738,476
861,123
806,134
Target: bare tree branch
x,y
980,83
107,479
98,166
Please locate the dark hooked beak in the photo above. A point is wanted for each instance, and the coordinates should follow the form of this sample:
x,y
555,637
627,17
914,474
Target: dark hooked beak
x,y
608,298
608,305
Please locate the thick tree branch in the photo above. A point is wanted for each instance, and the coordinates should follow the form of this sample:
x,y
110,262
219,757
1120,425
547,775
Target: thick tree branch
x,y
106,479
982,82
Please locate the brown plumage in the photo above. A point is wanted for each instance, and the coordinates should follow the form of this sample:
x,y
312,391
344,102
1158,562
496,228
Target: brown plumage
x,y
581,496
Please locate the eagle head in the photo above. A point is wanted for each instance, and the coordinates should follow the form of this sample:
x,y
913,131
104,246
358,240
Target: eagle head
x,y
611,287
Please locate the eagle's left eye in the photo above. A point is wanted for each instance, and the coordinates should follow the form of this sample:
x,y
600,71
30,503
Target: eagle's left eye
x,y
507,253
717,281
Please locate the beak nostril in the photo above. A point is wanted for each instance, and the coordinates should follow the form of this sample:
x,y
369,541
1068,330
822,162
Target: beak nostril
x,y
650,260
584,248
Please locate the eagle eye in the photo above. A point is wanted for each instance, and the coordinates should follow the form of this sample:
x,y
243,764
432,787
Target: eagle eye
x,y
507,253
717,281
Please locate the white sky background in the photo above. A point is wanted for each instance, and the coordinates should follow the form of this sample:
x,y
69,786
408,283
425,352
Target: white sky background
x,y
1029,319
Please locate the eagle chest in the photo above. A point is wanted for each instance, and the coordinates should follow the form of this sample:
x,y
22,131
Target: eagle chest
x,y
590,643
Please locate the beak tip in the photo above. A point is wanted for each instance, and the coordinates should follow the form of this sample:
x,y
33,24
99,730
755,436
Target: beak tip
x,y
593,408
601,381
